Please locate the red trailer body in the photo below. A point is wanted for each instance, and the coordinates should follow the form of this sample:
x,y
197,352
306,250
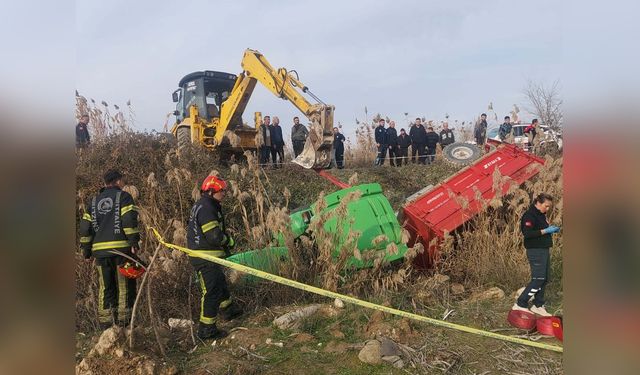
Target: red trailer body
x,y
429,214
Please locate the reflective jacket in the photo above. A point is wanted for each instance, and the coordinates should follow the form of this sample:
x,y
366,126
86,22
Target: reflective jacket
x,y
206,231
111,223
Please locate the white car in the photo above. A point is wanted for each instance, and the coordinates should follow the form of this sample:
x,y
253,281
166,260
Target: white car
x,y
520,138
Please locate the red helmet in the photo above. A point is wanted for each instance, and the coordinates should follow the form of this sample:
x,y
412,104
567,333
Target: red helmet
x,y
213,183
130,270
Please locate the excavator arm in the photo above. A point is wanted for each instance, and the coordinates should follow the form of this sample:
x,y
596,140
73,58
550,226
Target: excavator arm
x,y
256,68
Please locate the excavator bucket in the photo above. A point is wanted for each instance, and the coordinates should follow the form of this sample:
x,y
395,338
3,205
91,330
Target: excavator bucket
x,y
318,148
316,153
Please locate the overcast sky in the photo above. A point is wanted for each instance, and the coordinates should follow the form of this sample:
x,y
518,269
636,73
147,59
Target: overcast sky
x,y
427,58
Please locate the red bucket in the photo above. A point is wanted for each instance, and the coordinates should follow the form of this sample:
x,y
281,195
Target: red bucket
x,y
550,326
522,319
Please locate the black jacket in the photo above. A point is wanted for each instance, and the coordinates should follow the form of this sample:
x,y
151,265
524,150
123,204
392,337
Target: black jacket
x,y
82,134
299,133
531,223
480,130
432,139
418,134
276,135
392,137
206,231
504,130
404,141
381,135
338,143
111,222
446,137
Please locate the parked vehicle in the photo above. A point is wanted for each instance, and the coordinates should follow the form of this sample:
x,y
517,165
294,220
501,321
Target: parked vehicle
x,y
552,140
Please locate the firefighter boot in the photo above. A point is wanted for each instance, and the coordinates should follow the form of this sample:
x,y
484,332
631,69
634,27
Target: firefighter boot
x,y
230,312
210,331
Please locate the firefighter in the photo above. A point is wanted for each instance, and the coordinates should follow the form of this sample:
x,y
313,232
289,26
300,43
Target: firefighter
x,y
111,223
537,241
207,234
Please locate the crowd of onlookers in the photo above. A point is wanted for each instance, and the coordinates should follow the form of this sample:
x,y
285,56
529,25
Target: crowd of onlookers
x,y
390,143
422,140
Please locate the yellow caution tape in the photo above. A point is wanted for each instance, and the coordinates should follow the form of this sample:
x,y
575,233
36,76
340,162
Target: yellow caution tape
x,y
355,301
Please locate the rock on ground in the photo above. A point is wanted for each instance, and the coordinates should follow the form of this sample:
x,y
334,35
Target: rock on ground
x,y
457,289
491,293
292,319
107,341
371,352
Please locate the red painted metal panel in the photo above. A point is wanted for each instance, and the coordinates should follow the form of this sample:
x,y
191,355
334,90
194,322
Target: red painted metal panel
x,y
441,209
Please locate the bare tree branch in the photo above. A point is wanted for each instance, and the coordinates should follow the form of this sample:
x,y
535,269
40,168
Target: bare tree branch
x,y
545,102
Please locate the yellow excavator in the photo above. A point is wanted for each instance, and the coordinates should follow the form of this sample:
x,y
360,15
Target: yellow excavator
x,y
210,104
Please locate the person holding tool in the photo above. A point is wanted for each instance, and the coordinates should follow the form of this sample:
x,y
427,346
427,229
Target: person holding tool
x,y
107,229
207,234
537,241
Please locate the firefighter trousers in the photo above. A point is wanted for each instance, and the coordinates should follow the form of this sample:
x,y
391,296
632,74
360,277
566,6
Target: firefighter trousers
x,y
215,294
116,293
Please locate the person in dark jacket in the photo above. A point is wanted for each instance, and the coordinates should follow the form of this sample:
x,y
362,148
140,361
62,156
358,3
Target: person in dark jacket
x,y
338,146
381,142
111,223
446,135
418,136
404,141
82,132
207,234
432,142
505,129
299,134
265,147
480,130
537,241
392,143
277,143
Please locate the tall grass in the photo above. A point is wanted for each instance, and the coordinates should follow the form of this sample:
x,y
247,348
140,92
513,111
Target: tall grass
x,y
488,251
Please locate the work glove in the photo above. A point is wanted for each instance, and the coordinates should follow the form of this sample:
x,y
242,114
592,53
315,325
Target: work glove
x,y
86,252
232,243
551,229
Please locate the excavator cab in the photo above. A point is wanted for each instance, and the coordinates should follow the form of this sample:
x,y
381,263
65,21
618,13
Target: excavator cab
x,y
199,101
207,90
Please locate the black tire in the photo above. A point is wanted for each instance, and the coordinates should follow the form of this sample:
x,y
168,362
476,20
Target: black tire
x,y
183,134
461,153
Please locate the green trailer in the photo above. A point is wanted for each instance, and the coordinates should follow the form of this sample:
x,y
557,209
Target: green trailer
x,y
370,215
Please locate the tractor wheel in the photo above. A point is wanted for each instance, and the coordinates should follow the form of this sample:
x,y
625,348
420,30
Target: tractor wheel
x,y
184,137
461,153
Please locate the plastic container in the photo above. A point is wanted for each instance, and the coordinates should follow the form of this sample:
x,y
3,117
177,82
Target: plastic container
x,y
550,326
522,319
